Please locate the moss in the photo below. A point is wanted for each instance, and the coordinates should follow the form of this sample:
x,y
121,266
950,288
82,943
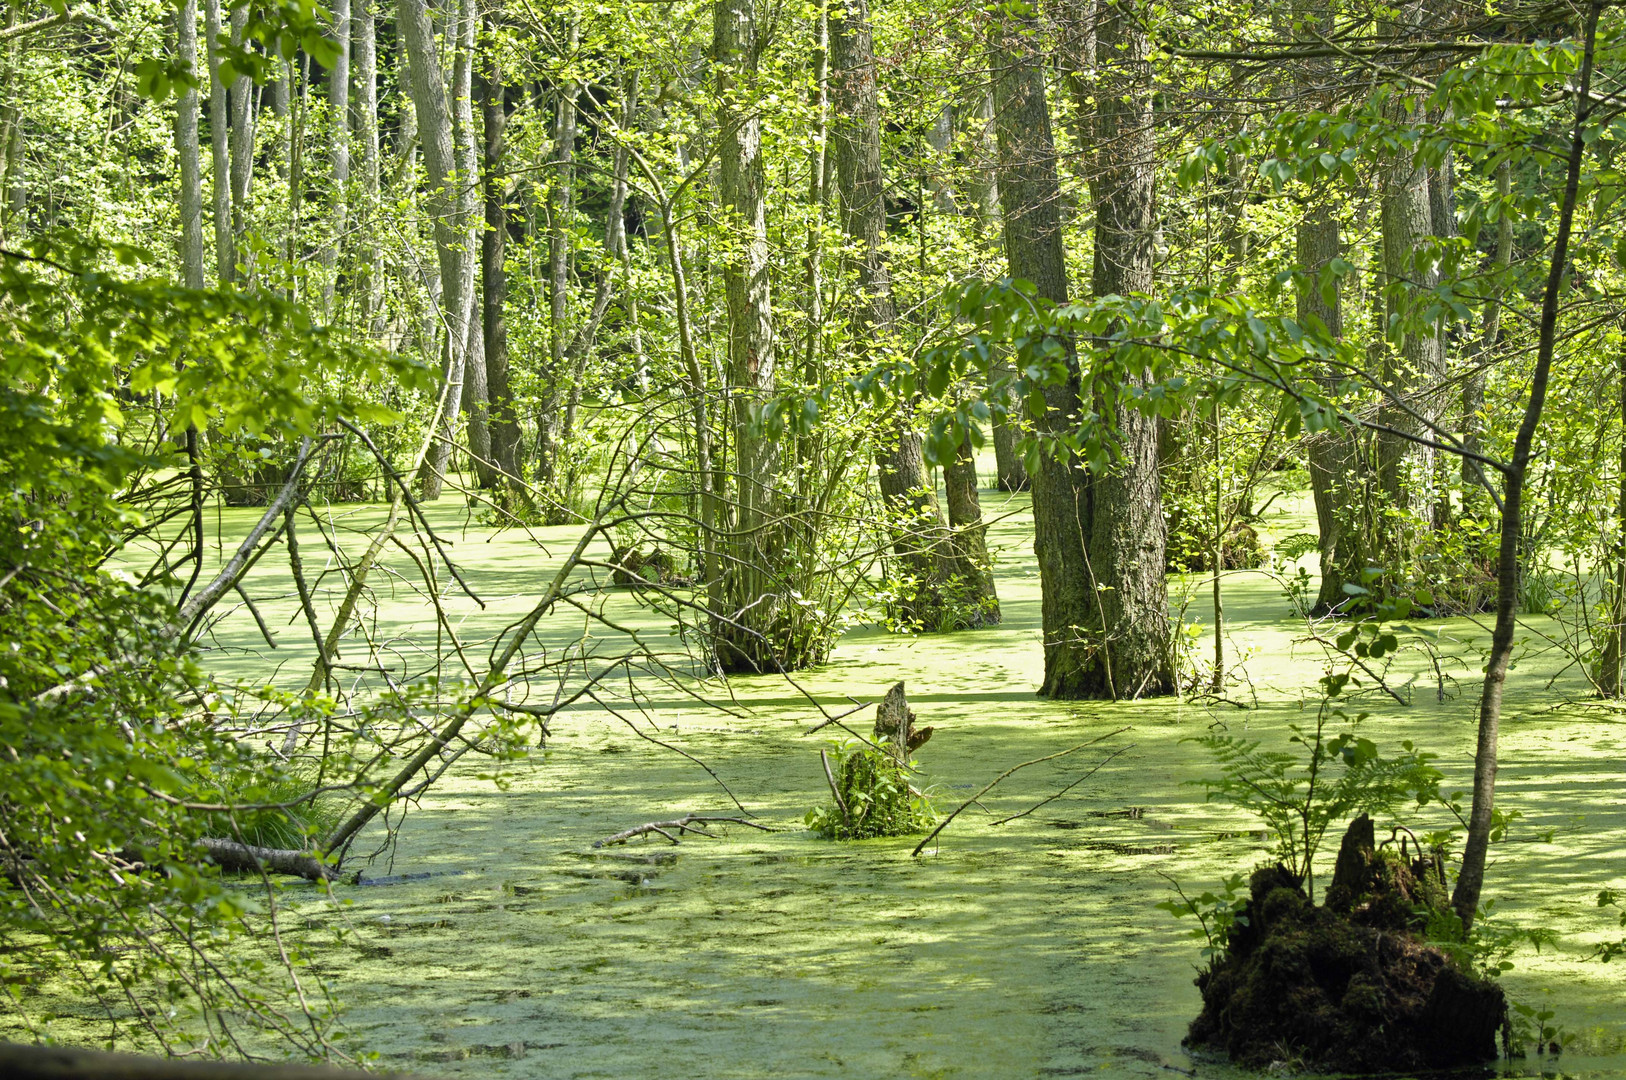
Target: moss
x,y
1345,986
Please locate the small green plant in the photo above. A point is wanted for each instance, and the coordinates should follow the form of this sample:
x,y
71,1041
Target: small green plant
x,y
1217,913
1534,1028
873,797
1330,779
1611,949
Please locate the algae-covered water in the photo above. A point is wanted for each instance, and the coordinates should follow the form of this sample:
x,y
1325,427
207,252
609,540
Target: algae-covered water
x,y
496,941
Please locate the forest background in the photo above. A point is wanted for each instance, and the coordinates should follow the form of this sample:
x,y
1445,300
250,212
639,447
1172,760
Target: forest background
x,y
745,292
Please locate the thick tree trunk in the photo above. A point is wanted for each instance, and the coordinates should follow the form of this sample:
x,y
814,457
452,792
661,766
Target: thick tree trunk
x,y
186,146
1471,876
1030,195
746,627
505,433
1126,536
1334,458
921,567
455,255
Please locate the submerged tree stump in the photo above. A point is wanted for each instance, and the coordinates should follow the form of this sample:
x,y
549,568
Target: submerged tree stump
x,y
870,782
895,725
1349,986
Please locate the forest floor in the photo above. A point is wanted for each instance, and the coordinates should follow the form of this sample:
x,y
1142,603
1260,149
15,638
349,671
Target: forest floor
x,y
1032,948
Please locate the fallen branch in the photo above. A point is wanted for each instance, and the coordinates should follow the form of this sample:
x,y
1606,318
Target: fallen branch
x,y
685,824
231,855
23,1062
1014,768
1098,766
835,792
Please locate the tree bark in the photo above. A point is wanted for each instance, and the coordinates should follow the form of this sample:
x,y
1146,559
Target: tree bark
x,y
371,280
186,146
1030,195
1010,472
1473,389
1471,876
1334,457
745,630
338,103
975,593
561,200
1609,676
1409,370
220,177
922,564
505,433
475,390
242,93
232,855
455,256
1126,535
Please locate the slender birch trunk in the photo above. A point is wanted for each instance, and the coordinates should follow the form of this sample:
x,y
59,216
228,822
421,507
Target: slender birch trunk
x,y
338,106
453,252
186,146
220,178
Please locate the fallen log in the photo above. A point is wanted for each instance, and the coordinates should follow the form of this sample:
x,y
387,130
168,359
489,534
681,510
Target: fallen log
x,y
231,855
19,1061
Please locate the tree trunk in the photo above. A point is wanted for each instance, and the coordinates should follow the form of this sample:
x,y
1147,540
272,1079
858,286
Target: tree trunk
x,y
746,627
1471,876
338,103
220,178
1442,224
475,391
1126,536
1610,659
1473,389
186,146
366,250
615,242
505,434
1334,458
1029,195
922,557
561,198
445,206
242,145
974,591
1404,468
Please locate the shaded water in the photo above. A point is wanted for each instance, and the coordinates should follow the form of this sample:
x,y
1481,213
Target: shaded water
x,y
1023,950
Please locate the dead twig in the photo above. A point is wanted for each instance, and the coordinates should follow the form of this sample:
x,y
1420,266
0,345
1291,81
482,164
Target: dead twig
x,y
1098,766
685,824
1014,768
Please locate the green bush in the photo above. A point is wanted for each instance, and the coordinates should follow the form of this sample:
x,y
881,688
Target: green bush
x,y
875,797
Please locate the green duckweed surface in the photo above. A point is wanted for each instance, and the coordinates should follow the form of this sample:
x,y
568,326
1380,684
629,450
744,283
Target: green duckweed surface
x,y
496,941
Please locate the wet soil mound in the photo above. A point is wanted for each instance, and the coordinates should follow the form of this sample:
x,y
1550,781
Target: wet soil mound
x,y
1349,986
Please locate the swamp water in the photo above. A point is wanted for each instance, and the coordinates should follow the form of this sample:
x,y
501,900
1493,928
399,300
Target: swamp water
x,y
496,941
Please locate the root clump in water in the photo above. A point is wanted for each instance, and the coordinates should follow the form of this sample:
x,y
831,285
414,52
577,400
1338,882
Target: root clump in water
x,y
1351,985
